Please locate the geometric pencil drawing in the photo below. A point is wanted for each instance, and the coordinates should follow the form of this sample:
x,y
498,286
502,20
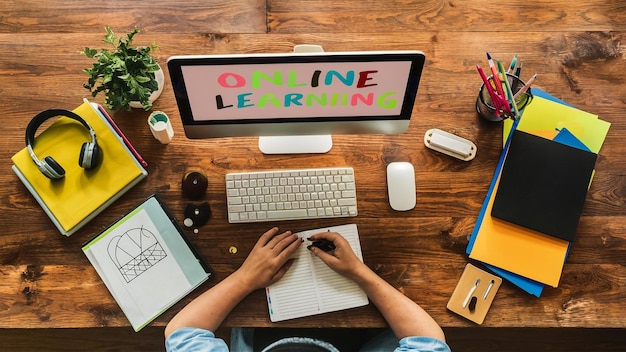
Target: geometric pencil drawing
x,y
134,252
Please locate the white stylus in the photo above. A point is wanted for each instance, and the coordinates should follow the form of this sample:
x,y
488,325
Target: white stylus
x,y
470,293
488,289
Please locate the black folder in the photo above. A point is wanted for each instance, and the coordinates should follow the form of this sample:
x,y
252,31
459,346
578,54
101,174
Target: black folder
x,y
543,185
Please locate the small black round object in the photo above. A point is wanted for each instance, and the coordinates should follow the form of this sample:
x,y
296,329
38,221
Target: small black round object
x,y
197,214
472,304
194,184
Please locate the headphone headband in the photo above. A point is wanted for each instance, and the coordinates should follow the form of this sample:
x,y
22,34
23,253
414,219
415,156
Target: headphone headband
x,y
45,115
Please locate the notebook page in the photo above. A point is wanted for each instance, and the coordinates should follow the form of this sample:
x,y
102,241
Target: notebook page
x,y
310,287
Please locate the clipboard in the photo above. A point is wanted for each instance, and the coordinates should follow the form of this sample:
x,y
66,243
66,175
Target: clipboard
x,y
146,262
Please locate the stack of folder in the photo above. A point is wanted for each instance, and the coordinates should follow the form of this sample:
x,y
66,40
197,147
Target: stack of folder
x,y
529,217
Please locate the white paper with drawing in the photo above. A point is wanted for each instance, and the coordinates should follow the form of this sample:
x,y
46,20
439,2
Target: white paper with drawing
x,y
310,287
134,259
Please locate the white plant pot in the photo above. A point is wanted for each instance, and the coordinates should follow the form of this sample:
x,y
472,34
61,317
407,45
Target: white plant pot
x,y
160,78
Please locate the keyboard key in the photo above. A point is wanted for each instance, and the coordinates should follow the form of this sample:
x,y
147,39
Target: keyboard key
x,y
287,214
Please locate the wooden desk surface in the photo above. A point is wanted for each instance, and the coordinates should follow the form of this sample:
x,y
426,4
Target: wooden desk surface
x,y
576,47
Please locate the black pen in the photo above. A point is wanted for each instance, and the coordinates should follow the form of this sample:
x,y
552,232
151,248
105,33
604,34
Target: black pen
x,y
518,70
323,244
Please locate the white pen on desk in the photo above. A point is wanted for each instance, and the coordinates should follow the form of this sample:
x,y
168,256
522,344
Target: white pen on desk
x,y
470,293
488,289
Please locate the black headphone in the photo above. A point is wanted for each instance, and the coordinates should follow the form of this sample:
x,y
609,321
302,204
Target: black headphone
x,y
89,152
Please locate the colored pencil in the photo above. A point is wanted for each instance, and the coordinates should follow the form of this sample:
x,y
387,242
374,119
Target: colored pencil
x,y
525,87
509,92
495,99
496,79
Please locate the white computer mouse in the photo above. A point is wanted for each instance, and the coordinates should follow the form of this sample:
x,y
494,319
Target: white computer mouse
x,y
401,185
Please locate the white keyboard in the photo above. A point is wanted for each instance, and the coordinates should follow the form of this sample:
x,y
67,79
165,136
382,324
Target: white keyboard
x,y
291,194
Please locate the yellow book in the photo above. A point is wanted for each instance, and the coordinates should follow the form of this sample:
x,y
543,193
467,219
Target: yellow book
x,y
82,194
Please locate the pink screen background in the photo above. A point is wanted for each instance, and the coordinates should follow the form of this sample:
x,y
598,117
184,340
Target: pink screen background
x,y
203,87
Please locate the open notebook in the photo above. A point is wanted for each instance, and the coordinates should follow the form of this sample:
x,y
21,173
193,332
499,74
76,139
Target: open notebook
x,y
310,287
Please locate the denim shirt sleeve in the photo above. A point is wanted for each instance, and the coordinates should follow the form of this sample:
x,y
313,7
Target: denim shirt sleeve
x,y
194,340
422,344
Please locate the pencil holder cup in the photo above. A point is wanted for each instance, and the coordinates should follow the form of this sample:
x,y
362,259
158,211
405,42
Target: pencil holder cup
x,y
486,107
161,127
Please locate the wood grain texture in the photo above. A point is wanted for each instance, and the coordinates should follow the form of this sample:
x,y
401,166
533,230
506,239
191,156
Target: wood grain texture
x,y
443,16
71,16
574,46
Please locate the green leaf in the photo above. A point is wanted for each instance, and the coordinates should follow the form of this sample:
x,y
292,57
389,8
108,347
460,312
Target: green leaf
x,y
110,36
90,53
142,79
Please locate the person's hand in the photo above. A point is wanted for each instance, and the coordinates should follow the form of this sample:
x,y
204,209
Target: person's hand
x,y
269,260
342,259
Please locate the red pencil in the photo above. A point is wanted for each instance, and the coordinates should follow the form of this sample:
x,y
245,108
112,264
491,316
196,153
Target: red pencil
x,y
497,104
496,78
141,160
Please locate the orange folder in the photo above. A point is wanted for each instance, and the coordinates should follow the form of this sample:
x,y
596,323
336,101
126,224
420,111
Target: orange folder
x,y
519,250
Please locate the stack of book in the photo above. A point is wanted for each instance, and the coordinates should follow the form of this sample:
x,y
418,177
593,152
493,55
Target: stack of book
x,y
81,194
529,217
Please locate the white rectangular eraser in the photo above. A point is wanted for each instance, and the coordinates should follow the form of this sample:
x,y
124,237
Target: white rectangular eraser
x,y
450,144
453,145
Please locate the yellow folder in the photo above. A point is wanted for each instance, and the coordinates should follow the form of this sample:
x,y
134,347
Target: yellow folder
x,y
75,199
545,114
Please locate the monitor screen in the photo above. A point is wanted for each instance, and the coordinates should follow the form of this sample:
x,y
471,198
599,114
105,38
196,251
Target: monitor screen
x,y
296,93
310,94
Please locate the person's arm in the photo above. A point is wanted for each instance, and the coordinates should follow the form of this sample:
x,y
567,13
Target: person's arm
x,y
267,263
405,317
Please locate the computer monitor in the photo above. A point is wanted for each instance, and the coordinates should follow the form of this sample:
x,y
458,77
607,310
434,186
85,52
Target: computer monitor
x,y
310,95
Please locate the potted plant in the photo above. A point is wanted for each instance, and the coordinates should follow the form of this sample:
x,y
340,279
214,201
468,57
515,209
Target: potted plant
x,y
129,76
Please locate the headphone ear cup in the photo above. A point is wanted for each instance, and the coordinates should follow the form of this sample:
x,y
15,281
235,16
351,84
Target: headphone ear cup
x,y
51,168
89,155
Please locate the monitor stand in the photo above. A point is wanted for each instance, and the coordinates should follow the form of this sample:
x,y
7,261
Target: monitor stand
x,y
295,144
308,144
